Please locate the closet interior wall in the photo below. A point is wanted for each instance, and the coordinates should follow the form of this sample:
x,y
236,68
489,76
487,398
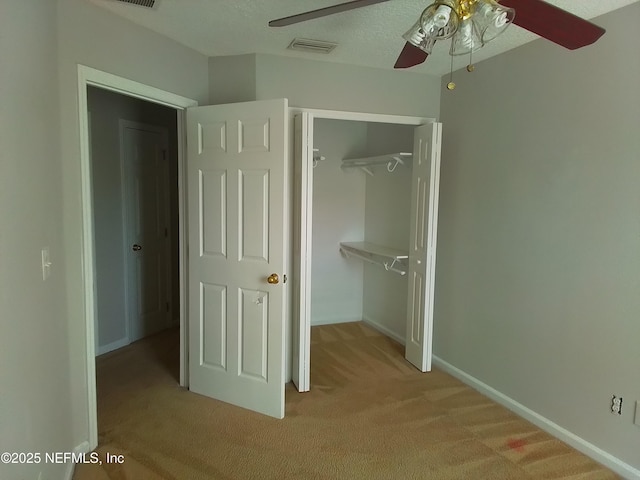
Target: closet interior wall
x,y
387,223
351,206
338,210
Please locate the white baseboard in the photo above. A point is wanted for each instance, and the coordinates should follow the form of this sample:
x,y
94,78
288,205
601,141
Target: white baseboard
x,y
333,321
82,448
580,444
101,350
382,329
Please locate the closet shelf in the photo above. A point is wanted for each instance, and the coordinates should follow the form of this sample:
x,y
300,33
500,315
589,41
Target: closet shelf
x,y
389,258
391,160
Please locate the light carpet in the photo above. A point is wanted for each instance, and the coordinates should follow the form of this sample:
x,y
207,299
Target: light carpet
x,y
370,415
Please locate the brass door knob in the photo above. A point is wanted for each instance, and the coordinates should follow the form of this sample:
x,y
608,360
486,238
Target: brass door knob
x,y
136,247
273,279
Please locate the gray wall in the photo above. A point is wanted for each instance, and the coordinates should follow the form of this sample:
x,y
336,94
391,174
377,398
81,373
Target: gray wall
x,y
329,86
232,79
332,86
537,291
35,401
94,37
107,109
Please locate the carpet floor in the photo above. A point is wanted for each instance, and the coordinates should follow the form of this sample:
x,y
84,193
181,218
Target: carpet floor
x,y
370,415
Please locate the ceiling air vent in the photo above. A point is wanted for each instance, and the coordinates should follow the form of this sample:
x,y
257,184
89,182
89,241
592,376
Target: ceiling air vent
x,y
142,3
315,46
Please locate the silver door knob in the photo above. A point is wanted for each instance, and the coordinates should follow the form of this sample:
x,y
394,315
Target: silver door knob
x,y
136,247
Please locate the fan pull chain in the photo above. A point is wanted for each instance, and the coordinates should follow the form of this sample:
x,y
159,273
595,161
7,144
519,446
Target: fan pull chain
x,y
451,85
471,67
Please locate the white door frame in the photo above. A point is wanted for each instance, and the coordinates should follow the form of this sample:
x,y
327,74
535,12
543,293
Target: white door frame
x,y
91,77
304,227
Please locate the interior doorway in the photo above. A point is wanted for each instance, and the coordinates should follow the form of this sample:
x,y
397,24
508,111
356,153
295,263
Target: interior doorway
x,y
90,77
134,174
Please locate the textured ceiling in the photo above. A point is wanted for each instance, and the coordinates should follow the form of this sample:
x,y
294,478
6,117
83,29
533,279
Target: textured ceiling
x,y
369,36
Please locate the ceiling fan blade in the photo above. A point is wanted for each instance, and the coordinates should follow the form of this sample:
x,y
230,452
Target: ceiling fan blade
x,y
553,23
410,56
323,12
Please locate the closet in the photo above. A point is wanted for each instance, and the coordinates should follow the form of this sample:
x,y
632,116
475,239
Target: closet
x,y
365,211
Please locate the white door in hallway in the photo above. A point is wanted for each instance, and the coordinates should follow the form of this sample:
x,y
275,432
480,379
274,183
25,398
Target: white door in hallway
x,y
145,182
238,201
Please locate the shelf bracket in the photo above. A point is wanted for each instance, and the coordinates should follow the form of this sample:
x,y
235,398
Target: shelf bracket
x,y
388,267
367,171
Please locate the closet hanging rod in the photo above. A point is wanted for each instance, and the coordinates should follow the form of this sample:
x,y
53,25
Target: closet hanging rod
x,y
388,258
391,160
365,258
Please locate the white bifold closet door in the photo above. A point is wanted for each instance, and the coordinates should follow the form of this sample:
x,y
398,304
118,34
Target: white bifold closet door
x,y
302,221
425,179
422,248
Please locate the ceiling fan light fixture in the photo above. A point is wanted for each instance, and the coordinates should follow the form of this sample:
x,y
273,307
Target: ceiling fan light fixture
x,y
418,38
440,19
492,19
467,39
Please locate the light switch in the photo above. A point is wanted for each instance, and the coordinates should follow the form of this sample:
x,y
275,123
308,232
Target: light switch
x,y
46,263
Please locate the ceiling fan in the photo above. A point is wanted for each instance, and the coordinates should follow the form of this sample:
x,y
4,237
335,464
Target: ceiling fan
x,y
471,24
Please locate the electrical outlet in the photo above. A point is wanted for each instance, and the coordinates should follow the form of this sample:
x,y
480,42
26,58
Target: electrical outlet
x,y
616,405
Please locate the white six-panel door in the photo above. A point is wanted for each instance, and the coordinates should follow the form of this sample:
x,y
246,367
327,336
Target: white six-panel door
x,y
237,174
145,169
425,181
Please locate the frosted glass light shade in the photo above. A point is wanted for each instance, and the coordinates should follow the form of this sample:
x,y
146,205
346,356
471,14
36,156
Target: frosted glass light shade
x,y
440,20
418,38
492,19
467,39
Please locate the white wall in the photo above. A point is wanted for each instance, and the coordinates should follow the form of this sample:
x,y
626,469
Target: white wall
x,y
338,216
387,223
35,403
107,108
94,37
537,280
